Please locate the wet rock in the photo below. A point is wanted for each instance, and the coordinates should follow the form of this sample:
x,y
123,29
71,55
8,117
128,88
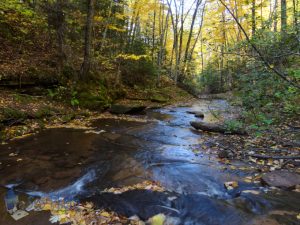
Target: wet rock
x,y
172,221
199,115
28,185
281,179
223,154
264,220
200,209
126,109
142,203
196,113
111,136
65,174
41,180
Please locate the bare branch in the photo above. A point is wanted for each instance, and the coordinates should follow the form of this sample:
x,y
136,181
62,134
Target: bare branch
x,y
265,61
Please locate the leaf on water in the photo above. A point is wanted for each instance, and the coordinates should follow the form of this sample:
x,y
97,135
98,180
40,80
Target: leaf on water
x,y
231,185
251,192
252,159
157,219
146,185
248,179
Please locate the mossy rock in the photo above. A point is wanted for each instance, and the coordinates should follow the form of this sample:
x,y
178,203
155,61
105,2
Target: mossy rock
x,y
44,112
126,109
159,99
93,102
10,113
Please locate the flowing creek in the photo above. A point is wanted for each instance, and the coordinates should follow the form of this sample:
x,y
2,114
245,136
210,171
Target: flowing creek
x,y
73,163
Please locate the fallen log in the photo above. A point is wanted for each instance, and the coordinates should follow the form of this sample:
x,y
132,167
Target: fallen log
x,y
217,128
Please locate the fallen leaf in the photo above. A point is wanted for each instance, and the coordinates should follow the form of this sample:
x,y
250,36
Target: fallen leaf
x,y
231,185
157,219
251,192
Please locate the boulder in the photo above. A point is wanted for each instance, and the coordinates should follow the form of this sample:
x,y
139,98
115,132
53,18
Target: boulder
x,y
126,109
281,179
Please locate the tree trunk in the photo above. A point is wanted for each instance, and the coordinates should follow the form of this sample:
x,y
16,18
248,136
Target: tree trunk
x,y
60,35
85,68
153,34
181,32
135,28
174,21
222,51
253,18
191,33
283,17
296,15
198,35
163,33
261,15
106,26
275,15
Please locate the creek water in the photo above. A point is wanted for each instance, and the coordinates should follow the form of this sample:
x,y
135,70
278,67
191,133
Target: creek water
x,y
76,164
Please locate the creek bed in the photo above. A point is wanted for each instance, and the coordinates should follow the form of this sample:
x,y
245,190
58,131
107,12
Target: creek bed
x,y
76,164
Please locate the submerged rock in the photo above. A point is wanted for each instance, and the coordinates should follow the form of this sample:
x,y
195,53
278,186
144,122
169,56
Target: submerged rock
x,y
197,114
143,203
126,109
281,179
224,154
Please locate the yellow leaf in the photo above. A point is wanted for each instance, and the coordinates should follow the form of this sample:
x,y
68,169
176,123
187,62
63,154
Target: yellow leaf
x,y
105,214
158,219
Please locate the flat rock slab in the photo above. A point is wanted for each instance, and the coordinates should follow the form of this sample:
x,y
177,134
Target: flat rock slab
x,y
281,179
126,109
159,99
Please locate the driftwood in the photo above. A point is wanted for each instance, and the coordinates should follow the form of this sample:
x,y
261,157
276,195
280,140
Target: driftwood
x,y
211,127
273,157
